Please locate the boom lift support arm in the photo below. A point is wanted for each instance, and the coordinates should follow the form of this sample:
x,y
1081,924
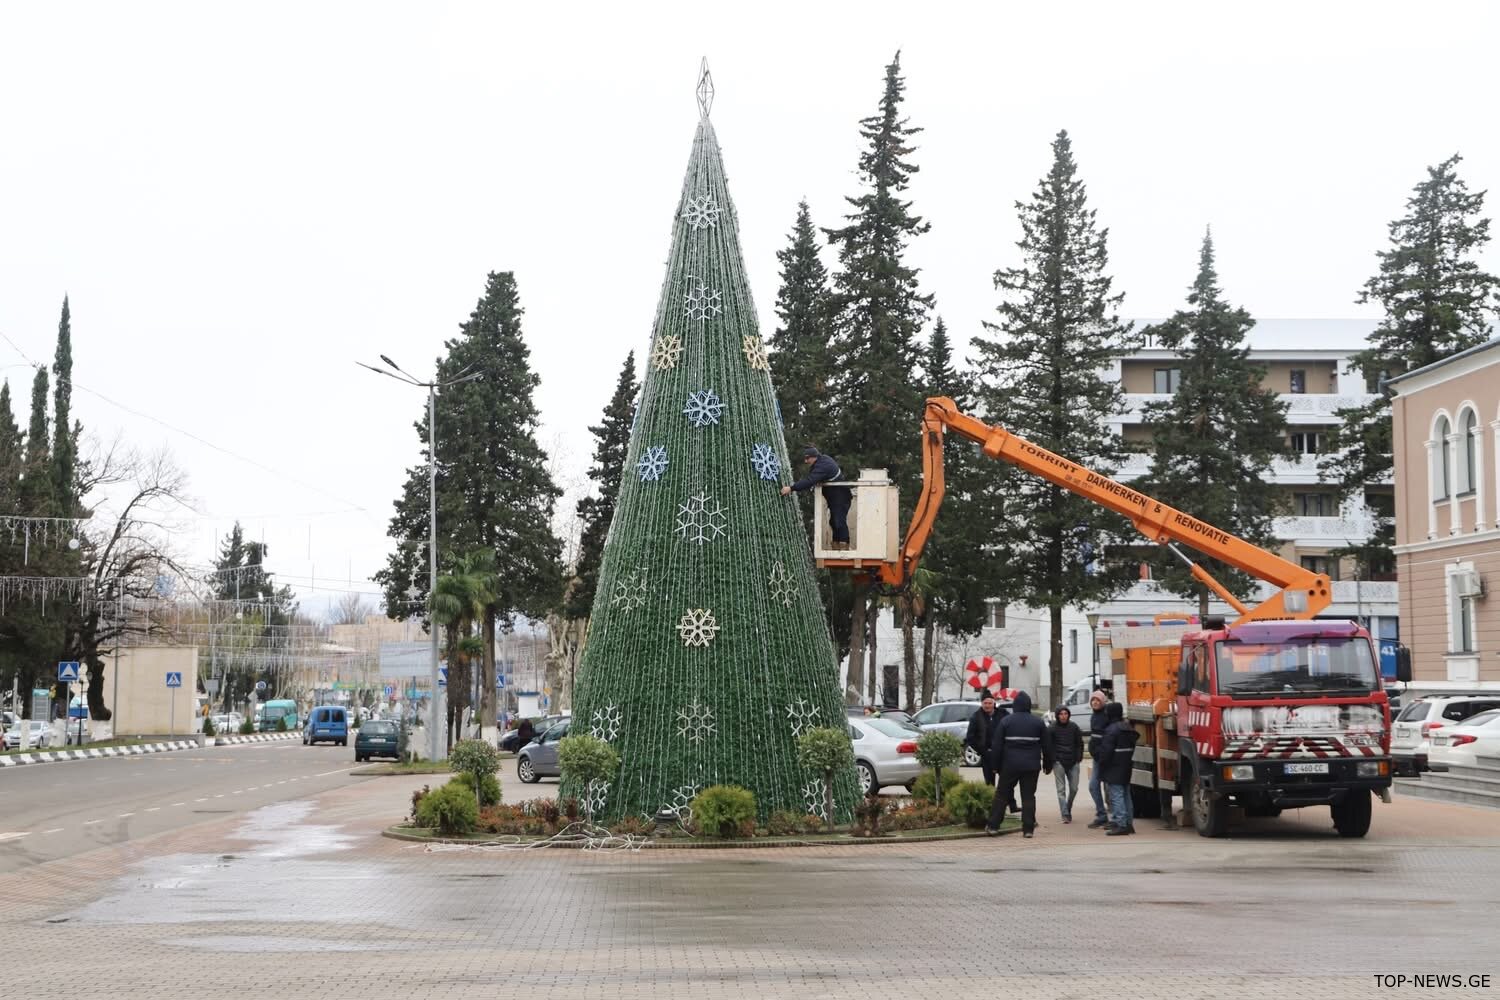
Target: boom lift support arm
x,y
1302,593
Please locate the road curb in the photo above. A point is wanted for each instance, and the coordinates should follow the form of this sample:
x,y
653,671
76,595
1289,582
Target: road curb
x,y
134,750
400,833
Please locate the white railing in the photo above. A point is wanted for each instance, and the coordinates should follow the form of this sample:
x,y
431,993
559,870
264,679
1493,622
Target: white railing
x,y
1341,530
1299,404
1301,466
1364,592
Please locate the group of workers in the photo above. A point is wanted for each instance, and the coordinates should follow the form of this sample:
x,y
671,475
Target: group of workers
x,y
1016,746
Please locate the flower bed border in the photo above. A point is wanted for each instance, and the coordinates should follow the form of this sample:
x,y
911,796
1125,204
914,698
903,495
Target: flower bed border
x,y
405,832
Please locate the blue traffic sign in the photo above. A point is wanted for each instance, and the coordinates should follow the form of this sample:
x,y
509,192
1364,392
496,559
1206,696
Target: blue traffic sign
x,y
67,671
174,678
389,690
442,676
500,681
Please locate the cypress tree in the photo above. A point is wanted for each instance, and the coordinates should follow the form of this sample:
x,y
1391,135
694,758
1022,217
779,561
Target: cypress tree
x,y
1437,301
65,445
800,362
36,482
1213,442
707,653
1045,367
880,312
612,442
11,451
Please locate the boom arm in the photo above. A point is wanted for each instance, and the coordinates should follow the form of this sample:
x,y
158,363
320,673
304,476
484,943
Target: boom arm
x,y
1302,593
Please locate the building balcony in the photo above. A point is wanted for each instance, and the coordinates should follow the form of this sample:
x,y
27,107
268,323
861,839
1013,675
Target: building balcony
x,y
1297,470
1335,532
1302,407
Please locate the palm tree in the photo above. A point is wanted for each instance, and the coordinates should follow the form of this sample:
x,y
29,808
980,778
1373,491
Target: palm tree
x,y
458,601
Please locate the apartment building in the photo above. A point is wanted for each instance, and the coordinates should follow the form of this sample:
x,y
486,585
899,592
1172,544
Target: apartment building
x,y
1446,431
1307,363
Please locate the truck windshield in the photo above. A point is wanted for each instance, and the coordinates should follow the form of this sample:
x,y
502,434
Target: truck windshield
x,y
1316,664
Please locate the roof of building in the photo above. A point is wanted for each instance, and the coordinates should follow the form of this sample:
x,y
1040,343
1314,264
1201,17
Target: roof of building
x,y
1450,359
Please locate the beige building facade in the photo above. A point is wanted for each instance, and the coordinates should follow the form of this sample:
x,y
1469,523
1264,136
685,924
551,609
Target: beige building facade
x,y
1446,430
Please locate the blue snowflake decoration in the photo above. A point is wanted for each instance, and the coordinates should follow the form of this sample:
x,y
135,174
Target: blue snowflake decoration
x,y
652,464
703,408
767,465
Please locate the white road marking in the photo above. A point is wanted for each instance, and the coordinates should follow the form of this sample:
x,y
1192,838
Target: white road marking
x,y
182,803
124,815
205,799
55,829
154,809
93,821
327,773
13,836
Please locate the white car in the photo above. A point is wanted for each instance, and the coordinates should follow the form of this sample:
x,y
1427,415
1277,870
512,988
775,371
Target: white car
x,y
1411,733
41,735
884,753
953,717
1460,744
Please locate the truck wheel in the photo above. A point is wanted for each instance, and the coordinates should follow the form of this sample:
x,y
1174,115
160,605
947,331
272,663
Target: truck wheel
x,y
1144,802
1210,811
1351,816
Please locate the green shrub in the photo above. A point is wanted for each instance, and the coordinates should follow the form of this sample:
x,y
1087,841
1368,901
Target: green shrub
x,y
477,761
924,788
416,800
489,787
867,815
725,811
208,726
247,727
354,724
826,751
449,809
584,759
919,816
970,802
281,726
784,823
937,750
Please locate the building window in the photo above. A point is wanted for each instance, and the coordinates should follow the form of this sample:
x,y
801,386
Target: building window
x,y
1309,442
1373,380
1299,380
994,614
1465,625
1466,446
1440,465
1072,645
1321,564
1314,504
1463,587
1167,380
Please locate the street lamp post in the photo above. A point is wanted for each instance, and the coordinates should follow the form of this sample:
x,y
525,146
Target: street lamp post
x,y
434,737
1093,620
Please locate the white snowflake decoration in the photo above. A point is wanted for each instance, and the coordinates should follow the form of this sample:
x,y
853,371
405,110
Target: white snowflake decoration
x,y
666,352
783,587
653,463
595,797
755,354
682,801
607,722
630,593
803,716
815,798
701,212
697,627
702,303
766,464
703,408
696,722
701,519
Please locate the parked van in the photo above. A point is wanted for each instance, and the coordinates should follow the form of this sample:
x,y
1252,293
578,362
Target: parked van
x,y
268,717
327,722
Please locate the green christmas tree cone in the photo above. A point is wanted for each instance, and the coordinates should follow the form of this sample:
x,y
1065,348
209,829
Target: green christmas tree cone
x,y
708,651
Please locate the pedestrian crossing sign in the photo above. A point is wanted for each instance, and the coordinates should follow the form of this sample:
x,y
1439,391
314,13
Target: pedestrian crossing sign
x,y
67,671
174,678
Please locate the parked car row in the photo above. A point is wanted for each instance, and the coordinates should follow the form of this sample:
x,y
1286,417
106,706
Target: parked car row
x,y
1413,730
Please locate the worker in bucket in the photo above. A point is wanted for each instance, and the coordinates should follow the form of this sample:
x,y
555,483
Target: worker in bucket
x,y
823,469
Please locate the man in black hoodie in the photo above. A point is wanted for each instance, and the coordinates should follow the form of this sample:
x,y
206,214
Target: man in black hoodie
x,y
1020,750
1065,741
1116,751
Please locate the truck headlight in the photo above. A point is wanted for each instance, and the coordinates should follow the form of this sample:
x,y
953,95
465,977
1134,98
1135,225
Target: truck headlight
x,y
1373,769
1239,772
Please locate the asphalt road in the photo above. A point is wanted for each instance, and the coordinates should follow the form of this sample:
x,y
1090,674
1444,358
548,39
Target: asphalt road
x,y
53,811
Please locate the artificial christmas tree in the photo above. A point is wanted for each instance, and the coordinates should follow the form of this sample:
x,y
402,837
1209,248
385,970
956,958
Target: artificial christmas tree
x,y
708,652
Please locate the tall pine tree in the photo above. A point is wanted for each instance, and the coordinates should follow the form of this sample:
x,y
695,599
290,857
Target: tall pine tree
x,y
65,442
800,362
1046,368
880,315
1437,301
494,488
1214,441
11,451
611,443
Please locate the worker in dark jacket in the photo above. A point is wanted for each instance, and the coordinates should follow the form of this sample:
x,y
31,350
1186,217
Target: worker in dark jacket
x,y
1020,752
1116,751
981,734
1098,722
1065,741
823,469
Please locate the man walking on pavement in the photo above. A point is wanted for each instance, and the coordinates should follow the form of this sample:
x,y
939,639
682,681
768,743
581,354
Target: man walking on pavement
x,y
1098,722
1019,751
1065,743
981,734
822,469
1116,752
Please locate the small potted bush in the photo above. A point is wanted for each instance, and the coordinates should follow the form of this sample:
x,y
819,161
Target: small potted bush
x,y
826,751
939,750
583,760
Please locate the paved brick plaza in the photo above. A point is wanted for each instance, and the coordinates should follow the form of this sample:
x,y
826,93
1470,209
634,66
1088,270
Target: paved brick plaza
x,y
311,902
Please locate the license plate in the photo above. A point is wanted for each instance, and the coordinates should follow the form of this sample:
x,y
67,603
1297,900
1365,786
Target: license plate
x,y
1317,768
1440,741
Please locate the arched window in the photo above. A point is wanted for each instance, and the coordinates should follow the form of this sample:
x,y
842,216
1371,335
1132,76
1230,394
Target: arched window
x,y
1440,467
1467,474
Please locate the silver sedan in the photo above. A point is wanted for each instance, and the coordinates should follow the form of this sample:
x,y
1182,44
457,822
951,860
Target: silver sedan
x,y
885,752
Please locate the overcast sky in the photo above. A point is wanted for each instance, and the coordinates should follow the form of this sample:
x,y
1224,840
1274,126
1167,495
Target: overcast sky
x,y
243,199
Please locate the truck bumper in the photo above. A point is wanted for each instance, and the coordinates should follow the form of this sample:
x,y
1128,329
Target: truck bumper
x,y
1289,789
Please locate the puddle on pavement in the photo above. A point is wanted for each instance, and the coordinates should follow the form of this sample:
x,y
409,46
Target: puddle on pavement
x,y
270,880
